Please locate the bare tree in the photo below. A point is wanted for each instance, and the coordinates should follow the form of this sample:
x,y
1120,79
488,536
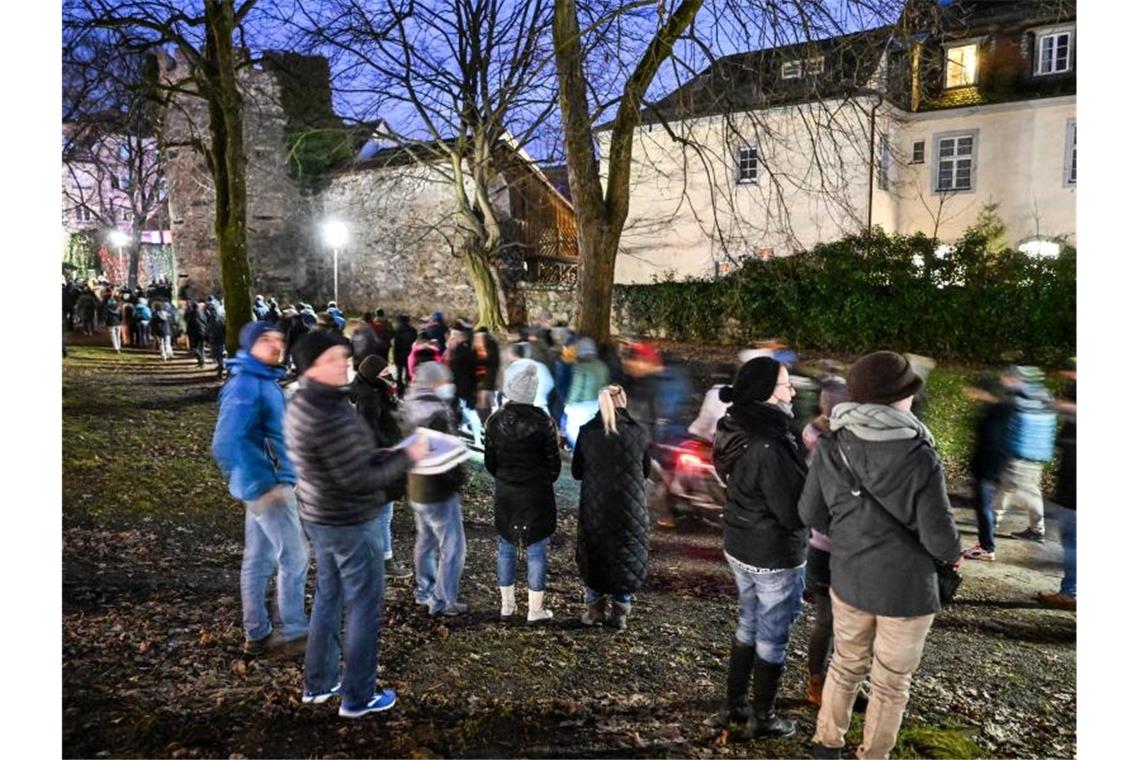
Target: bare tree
x,y
458,83
202,34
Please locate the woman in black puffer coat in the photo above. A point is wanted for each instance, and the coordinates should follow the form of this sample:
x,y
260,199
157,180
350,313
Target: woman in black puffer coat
x,y
611,459
521,452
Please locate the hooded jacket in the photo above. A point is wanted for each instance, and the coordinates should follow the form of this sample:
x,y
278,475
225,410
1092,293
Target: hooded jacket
x,y
877,564
343,478
249,443
422,408
758,457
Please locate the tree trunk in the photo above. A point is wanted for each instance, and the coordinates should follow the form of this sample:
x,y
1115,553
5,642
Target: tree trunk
x,y
133,264
228,153
481,272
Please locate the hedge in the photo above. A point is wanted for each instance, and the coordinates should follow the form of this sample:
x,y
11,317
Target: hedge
x,y
872,291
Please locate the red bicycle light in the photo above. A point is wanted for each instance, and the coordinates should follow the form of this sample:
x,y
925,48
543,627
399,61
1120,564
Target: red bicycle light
x,y
689,460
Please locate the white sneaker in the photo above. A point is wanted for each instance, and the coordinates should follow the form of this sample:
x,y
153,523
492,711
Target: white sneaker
x,y
537,613
507,593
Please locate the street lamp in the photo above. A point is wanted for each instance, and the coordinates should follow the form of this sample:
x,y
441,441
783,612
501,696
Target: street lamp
x,y
119,239
336,235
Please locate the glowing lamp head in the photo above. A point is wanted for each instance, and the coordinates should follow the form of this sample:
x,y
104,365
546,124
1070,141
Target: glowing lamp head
x,y
335,233
118,238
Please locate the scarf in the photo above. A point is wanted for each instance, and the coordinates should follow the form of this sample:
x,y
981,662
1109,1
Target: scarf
x,y
876,422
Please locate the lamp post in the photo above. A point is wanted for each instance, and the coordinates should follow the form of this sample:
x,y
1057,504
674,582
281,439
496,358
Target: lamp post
x,y
336,235
119,239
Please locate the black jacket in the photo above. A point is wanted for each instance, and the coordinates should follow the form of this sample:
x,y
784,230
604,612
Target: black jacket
x,y
364,343
522,454
111,315
877,565
988,458
461,360
613,522
759,458
1066,490
402,339
160,324
195,324
342,477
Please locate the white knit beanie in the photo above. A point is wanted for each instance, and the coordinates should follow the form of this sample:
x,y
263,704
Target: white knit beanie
x,y
520,381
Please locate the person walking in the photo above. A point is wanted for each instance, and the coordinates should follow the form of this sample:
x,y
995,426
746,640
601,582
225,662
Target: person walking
x,y
249,447
588,377
196,330
402,339
522,455
216,332
376,404
758,457
876,488
441,546
342,481
143,315
163,329
612,461
113,320
1031,437
988,459
1065,494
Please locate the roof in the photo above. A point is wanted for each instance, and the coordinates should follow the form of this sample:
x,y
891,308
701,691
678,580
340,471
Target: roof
x,y
752,80
975,15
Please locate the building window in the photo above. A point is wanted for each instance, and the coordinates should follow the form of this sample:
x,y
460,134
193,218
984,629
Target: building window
x,y
918,152
815,65
1071,152
962,65
1054,53
884,163
82,214
955,167
792,69
747,165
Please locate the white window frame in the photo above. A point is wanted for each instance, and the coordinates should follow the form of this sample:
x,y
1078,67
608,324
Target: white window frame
x,y
975,43
753,158
814,65
918,147
936,161
792,69
1070,178
1053,32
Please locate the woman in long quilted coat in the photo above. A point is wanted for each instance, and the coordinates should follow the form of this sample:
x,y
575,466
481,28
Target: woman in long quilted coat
x,y
612,461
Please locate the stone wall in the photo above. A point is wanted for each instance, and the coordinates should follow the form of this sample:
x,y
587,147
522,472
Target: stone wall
x,y
549,304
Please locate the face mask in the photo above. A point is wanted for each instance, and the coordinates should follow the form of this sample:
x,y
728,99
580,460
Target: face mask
x,y
446,392
786,408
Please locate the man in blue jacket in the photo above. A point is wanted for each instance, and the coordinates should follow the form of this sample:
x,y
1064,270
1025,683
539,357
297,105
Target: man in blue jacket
x,y
249,447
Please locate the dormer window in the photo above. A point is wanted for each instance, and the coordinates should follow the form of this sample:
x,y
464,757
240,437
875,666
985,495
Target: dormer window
x,y
792,69
1054,54
962,65
815,65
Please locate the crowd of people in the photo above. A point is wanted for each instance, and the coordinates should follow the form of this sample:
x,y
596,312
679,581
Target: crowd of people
x,y
842,503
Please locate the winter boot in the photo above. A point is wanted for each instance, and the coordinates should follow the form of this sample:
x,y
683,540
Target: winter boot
x,y
507,593
815,688
828,753
736,708
765,683
619,612
595,612
537,613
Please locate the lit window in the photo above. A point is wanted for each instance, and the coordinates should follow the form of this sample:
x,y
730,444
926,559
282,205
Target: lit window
x,y
954,170
962,65
792,69
918,152
1054,53
815,65
1041,247
747,165
1071,152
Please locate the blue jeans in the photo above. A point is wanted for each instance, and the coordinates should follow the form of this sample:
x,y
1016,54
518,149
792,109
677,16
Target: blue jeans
x,y
984,492
593,596
350,578
536,560
769,604
385,517
441,550
1068,520
274,541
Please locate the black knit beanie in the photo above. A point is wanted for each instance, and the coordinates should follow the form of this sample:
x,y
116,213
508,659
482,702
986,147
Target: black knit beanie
x,y
755,381
315,343
883,377
372,366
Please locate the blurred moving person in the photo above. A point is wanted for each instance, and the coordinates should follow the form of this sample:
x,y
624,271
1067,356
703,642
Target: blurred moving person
x,y
988,460
1030,440
1065,494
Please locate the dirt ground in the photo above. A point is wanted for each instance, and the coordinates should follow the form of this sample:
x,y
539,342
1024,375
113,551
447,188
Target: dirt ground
x,y
152,661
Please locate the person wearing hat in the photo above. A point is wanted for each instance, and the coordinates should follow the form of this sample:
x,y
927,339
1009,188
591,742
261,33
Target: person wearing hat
x,y
343,481
336,316
249,447
759,458
375,401
521,453
988,459
876,488
441,545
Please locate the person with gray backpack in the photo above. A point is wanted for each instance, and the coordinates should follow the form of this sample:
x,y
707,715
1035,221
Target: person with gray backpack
x,y
1030,439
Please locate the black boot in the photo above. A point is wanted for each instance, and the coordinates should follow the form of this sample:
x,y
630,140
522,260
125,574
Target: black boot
x,y
736,709
765,683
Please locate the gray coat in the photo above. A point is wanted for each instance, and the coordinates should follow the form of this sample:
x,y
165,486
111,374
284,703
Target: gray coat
x,y
877,565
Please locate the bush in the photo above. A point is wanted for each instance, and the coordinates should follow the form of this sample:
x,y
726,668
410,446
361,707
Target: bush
x,y
873,291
